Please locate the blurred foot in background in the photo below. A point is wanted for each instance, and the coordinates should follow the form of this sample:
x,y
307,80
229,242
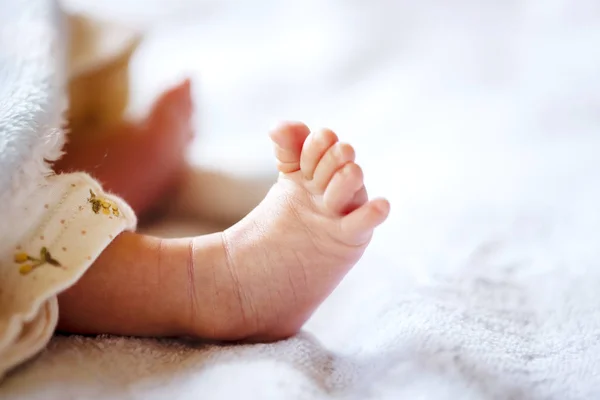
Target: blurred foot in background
x,y
139,160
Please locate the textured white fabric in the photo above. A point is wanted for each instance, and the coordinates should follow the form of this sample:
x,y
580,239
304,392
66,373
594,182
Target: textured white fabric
x,y
480,121
52,227
32,102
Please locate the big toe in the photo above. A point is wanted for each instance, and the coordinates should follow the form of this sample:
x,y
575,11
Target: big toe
x,y
288,139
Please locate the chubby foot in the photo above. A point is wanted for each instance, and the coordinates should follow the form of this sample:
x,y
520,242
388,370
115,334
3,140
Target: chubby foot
x,y
259,280
295,247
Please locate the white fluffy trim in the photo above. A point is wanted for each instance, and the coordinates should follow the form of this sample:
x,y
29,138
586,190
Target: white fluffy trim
x,y
32,103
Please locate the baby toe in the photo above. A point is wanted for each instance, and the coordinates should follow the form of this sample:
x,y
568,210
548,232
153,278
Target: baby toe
x,y
335,158
342,189
314,148
288,139
357,227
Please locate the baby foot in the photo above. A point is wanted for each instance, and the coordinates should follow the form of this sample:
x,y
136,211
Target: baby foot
x,y
259,280
293,249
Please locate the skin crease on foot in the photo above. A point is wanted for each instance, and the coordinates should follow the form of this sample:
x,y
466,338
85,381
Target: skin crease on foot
x,y
259,280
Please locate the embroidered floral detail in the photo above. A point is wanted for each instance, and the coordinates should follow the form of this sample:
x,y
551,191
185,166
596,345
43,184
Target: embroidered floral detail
x,y
101,204
29,263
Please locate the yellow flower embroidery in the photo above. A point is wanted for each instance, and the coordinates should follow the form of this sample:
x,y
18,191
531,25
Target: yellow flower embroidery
x,y
99,204
29,263
25,269
21,257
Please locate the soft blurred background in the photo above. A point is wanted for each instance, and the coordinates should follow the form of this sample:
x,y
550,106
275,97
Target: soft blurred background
x,y
479,120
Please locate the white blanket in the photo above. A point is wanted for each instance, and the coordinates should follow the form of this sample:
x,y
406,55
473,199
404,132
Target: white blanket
x,y
479,120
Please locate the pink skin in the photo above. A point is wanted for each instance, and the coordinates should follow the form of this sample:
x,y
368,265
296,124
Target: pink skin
x,y
259,280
